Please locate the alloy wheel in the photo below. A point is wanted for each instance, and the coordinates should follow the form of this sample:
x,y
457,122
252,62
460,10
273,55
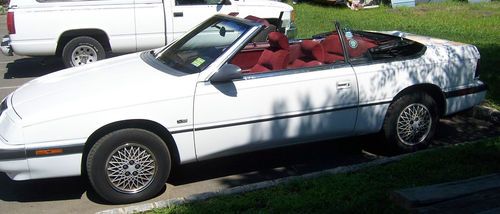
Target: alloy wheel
x,y
414,124
131,168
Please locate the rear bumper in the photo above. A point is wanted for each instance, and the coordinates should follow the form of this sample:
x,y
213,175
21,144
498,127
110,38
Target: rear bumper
x,y
465,98
6,47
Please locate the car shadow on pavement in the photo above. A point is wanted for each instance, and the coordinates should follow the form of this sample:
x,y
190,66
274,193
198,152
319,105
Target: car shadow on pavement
x,y
32,67
275,163
55,189
42,190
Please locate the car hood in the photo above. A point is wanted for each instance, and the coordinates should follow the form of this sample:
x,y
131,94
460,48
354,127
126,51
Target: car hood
x,y
109,84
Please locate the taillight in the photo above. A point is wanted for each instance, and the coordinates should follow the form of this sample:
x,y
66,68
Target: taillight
x,y
476,74
10,23
292,16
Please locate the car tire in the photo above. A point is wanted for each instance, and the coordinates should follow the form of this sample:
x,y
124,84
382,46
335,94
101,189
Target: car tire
x,y
128,165
411,122
82,50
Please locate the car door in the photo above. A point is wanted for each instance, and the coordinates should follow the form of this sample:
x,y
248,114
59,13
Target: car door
x,y
188,13
272,109
381,76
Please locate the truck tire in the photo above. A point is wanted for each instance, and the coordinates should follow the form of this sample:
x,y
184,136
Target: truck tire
x,y
128,165
82,50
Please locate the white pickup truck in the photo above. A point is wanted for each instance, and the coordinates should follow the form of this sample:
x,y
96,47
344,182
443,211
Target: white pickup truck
x,y
84,31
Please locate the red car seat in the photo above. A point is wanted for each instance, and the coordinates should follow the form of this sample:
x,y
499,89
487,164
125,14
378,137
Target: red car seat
x,y
311,54
333,49
276,56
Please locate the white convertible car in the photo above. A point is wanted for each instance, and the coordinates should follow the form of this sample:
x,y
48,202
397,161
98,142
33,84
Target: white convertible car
x,y
216,91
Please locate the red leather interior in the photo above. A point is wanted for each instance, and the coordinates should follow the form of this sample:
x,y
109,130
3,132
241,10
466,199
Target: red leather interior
x,y
276,56
312,50
249,56
310,53
295,53
363,45
278,41
277,53
246,59
333,49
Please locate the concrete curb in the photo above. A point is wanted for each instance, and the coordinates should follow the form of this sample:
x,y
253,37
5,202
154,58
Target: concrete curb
x,y
486,113
251,187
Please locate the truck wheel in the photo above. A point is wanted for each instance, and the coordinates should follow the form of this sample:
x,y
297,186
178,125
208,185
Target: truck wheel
x,y
128,165
82,50
411,121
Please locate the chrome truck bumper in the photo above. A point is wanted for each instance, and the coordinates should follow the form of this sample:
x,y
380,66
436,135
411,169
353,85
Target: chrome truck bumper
x,y
5,46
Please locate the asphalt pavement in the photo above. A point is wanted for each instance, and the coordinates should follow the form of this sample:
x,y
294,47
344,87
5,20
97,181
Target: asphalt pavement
x,y
74,195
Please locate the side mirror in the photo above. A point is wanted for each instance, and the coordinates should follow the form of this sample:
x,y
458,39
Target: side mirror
x,y
222,31
227,73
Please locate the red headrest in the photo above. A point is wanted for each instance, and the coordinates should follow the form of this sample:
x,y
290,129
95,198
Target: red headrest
x,y
278,40
332,44
313,49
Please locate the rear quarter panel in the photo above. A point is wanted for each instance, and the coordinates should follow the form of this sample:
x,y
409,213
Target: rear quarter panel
x,y
445,64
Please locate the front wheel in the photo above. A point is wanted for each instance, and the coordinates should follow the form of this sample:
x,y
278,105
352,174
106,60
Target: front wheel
x,y
411,122
81,51
128,165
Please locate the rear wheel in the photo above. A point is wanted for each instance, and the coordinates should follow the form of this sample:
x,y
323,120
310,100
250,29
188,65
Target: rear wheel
x,y
411,121
81,51
128,165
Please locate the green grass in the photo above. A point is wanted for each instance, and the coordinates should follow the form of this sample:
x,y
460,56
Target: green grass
x,y
476,24
365,191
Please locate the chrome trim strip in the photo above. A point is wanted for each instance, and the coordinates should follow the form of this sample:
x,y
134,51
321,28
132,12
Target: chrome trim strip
x,y
278,117
466,91
19,152
251,76
14,153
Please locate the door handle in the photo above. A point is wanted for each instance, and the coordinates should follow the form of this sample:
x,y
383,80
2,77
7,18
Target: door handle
x,y
178,14
343,85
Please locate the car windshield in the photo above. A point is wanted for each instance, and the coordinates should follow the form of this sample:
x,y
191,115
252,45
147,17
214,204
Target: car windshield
x,y
199,48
